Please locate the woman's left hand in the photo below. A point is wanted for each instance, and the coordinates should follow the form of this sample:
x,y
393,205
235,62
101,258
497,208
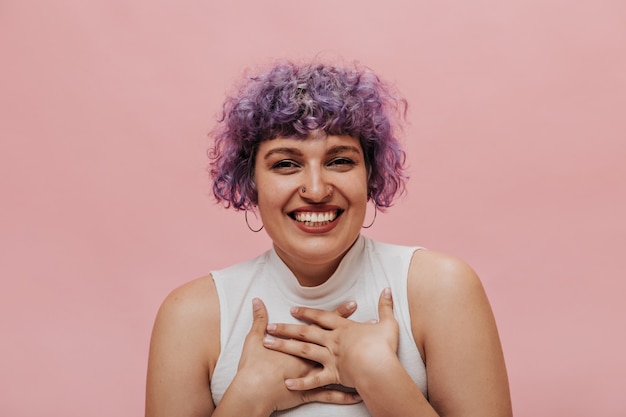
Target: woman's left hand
x,y
347,350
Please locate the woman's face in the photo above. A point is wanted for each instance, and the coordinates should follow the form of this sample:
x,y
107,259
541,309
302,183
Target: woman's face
x,y
312,196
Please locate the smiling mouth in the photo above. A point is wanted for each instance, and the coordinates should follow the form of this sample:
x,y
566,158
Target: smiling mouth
x,y
316,218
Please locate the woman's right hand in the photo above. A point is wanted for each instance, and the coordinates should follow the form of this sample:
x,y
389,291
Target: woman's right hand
x,y
261,372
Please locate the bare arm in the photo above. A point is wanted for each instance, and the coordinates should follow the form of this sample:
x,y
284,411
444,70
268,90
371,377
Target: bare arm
x,y
456,333
183,350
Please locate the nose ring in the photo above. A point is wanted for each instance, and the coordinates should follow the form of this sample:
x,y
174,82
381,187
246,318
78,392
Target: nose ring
x,y
330,190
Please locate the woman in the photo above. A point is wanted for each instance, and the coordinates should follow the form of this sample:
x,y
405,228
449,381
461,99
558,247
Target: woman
x,y
327,322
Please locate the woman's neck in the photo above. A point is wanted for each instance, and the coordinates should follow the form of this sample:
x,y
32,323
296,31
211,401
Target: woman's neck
x,y
312,275
311,270
309,274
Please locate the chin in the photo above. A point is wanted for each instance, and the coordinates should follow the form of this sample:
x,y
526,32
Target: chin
x,y
320,250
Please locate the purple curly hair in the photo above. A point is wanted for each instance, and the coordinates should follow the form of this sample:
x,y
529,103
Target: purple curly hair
x,y
291,100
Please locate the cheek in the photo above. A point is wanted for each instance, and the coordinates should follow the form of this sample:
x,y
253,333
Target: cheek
x,y
272,194
364,187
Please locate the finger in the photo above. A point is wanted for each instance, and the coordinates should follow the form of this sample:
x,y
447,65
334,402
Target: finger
x,y
304,350
324,319
319,380
259,317
305,332
346,309
385,305
330,396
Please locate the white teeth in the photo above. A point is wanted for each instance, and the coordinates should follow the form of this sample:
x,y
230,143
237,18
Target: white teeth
x,y
316,218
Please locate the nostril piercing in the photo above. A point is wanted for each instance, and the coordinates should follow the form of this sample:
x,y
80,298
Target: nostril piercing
x,y
303,189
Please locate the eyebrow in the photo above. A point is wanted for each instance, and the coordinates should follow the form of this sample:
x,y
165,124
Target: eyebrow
x,y
335,150
343,148
286,151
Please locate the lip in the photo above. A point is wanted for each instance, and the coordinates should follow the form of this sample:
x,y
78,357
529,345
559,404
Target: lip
x,y
316,229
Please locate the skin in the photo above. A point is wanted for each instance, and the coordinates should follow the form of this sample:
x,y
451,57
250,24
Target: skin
x,y
452,323
333,171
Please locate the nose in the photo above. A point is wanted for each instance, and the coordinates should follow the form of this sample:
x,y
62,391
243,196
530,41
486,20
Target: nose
x,y
315,187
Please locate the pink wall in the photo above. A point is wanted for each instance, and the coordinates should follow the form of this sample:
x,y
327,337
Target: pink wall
x,y
516,143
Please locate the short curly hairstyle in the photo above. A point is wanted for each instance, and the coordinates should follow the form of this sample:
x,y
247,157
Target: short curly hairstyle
x,y
291,100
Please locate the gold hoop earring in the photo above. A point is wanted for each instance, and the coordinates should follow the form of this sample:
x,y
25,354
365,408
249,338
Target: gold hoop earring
x,y
374,219
248,224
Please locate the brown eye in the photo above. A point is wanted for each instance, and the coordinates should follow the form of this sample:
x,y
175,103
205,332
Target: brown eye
x,y
285,164
342,163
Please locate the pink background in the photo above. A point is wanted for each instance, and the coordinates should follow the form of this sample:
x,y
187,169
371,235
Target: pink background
x,y
516,145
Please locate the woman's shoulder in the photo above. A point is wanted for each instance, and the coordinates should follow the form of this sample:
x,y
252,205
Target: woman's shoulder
x,y
436,271
193,302
190,313
428,270
443,288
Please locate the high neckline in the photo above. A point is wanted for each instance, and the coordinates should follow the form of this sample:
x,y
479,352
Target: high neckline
x,y
332,290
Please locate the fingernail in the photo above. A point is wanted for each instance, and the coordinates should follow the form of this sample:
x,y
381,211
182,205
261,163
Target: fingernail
x,y
350,305
290,383
387,293
294,310
256,304
269,340
271,327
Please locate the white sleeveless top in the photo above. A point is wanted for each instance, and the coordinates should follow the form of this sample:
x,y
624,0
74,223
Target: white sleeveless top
x,y
363,273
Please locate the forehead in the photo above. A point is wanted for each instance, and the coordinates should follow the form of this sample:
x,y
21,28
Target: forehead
x,y
312,144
